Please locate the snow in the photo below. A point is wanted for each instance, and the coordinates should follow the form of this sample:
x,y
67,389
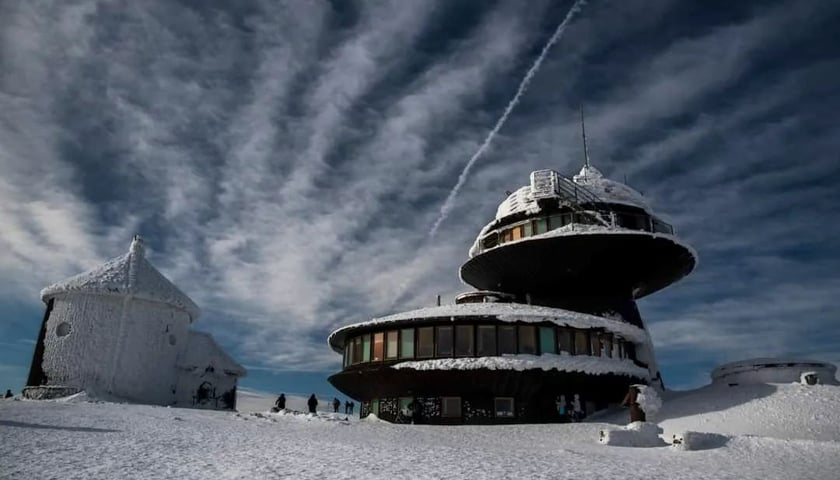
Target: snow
x,y
772,432
564,363
649,401
636,434
590,178
608,190
127,275
506,312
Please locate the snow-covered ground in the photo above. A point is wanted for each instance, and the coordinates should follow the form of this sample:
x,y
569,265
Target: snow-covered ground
x,y
772,432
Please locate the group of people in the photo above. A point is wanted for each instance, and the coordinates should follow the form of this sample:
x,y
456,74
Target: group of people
x,y
569,412
312,403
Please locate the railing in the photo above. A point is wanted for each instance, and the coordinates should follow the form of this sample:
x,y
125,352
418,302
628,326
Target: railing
x,y
540,225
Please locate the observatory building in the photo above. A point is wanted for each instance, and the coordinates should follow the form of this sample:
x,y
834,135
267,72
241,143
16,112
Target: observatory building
x,y
552,326
123,330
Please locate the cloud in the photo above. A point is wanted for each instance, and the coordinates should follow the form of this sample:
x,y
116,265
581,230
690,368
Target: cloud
x,y
285,159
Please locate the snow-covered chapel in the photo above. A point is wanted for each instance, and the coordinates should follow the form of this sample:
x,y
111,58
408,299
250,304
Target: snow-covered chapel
x,y
123,330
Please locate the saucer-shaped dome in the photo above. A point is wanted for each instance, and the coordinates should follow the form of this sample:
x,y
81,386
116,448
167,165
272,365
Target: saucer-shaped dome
x,y
127,275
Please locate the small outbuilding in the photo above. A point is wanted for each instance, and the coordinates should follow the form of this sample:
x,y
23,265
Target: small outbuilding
x,y
123,330
774,370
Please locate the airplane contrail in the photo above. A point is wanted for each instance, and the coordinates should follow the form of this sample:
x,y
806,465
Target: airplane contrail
x,y
450,200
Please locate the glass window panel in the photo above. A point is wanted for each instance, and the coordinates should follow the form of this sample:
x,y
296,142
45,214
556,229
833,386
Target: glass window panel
x,y
507,339
596,344
450,407
528,230
517,232
378,346
606,344
357,349
348,347
425,342
621,353
547,344
565,341
391,343
540,226
527,340
365,349
444,342
464,341
374,407
503,407
555,221
407,343
486,340
491,240
581,343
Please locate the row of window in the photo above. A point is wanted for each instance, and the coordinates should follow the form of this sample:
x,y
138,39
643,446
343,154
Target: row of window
x,y
540,225
446,341
450,407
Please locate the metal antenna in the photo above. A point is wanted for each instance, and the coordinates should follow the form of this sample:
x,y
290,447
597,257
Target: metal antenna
x,y
583,131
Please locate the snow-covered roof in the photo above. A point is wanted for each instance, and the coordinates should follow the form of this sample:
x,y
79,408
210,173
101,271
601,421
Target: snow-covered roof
x,y
768,362
607,191
127,275
506,312
203,351
546,361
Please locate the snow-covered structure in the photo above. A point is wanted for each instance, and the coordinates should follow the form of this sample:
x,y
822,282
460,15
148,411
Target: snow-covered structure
x,y
557,272
774,370
123,330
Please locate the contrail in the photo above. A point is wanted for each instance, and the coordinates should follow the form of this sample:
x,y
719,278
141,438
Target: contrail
x,y
450,200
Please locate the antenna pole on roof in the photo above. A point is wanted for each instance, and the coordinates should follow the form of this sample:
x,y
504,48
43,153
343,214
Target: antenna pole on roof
x,y
583,132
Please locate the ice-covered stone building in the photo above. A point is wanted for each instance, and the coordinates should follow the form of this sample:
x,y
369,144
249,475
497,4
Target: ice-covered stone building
x,y
123,330
553,320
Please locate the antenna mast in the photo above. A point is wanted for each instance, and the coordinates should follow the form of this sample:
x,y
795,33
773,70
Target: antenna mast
x,y
583,132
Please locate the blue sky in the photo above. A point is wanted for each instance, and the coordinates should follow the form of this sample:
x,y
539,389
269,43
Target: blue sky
x,y
285,160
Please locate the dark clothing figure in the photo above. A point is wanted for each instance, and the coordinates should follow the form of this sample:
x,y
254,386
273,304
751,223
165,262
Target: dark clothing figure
x,y
416,411
336,404
281,402
312,403
352,406
9,394
347,406
631,400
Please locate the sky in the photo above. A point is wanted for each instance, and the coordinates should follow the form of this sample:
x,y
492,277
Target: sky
x,y
286,160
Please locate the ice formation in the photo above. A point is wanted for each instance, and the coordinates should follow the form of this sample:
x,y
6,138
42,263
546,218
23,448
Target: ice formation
x,y
123,330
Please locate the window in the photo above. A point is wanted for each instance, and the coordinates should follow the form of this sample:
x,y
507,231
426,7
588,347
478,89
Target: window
x,y
596,344
503,406
404,403
566,341
606,345
540,226
507,339
378,346
63,329
450,407
348,347
365,349
547,344
621,353
357,349
491,240
506,236
555,221
527,341
391,343
517,232
407,343
425,342
581,343
486,340
464,341
528,229
444,342
374,407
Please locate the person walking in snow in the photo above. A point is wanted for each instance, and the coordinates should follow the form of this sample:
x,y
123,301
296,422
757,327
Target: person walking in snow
x,y
632,400
280,404
577,410
312,403
336,404
9,394
347,406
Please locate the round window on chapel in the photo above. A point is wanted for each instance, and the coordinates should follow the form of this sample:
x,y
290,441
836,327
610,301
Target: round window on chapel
x,y
63,329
